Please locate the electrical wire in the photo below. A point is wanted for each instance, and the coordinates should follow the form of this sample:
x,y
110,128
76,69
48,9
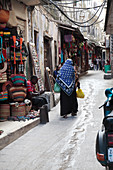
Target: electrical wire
x,y
69,2
78,7
63,10
74,21
91,17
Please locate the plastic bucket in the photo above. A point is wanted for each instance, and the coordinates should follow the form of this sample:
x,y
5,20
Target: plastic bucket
x,y
107,68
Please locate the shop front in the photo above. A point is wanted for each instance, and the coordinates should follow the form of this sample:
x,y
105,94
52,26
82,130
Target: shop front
x,y
73,45
13,56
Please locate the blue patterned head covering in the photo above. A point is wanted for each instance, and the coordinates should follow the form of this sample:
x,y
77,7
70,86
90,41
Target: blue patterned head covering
x,y
66,77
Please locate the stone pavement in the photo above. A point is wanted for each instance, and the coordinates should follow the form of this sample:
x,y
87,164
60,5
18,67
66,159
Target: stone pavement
x,y
14,129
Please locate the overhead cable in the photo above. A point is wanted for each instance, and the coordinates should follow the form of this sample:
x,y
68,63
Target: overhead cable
x,y
87,20
74,21
78,7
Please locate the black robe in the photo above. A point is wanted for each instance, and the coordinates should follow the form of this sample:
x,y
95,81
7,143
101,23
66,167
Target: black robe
x,y
68,104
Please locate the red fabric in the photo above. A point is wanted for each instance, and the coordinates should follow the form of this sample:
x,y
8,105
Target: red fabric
x,y
30,86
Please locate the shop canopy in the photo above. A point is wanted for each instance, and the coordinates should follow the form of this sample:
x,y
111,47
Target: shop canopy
x,y
68,28
109,18
94,44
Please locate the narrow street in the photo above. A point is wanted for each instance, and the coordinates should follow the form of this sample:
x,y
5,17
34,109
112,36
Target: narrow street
x,y
63,144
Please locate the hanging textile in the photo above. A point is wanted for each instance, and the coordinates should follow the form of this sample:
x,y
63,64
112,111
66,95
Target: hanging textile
x,y
62,60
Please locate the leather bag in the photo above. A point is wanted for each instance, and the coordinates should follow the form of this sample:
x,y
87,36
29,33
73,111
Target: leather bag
x,y
4,15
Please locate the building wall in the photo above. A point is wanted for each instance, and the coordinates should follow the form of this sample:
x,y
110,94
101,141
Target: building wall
x,y
48,28
21,14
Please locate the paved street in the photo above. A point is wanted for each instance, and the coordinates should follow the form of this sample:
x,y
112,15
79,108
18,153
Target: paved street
x,y
62,144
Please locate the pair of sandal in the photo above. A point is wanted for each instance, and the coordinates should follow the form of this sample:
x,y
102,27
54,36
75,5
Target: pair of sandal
x,y
74,114
65,116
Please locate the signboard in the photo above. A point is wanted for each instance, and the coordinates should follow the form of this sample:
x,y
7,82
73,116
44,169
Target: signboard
x,y
36,66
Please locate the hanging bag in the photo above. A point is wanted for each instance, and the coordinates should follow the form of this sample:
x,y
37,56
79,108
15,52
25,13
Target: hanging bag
x,y
21,65
79,93
3,95
56,88
18,94
3,77
2,59
18,79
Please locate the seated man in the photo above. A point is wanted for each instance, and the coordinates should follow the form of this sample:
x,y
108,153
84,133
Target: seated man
x,y
33,95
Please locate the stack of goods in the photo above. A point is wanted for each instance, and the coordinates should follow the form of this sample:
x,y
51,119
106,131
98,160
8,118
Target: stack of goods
x,y
13,55
4,107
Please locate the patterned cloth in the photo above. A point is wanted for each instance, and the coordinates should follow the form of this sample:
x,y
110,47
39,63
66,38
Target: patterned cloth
x,y
66,77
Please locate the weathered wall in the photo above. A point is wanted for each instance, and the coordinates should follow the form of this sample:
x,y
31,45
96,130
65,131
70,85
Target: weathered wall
x,y
21,14
48,28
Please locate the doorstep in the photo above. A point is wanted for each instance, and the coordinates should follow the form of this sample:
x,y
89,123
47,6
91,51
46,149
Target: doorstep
x,y
12,130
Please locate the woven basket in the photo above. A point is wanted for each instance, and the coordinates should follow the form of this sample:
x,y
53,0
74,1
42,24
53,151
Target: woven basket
x,y
18,109
4,111
28,108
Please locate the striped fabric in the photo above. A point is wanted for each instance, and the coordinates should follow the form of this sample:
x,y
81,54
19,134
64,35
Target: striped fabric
x,y
3,95
3,77
18,56
18,79
18,93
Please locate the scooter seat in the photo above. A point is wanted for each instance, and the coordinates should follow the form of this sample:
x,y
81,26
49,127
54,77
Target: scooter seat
x,y
108,122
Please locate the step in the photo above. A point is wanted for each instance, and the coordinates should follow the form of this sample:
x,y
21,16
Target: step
x,y
14,129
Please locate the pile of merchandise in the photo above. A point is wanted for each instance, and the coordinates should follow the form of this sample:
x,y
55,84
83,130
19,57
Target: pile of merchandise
x,y
13,91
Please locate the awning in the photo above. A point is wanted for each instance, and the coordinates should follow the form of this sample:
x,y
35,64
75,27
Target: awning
x,y
68,27
60,26
94,43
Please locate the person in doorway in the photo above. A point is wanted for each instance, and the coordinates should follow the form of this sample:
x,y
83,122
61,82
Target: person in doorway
x,y
55,72
66,80
33,95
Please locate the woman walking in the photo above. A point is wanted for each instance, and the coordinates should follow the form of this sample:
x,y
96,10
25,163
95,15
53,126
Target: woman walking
x,y
66,80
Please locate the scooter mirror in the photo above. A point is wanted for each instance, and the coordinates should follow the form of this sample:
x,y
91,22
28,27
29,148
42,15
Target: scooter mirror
x,y
108,92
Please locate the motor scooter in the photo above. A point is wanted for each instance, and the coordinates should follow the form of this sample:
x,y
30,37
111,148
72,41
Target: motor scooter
x,y
104,139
